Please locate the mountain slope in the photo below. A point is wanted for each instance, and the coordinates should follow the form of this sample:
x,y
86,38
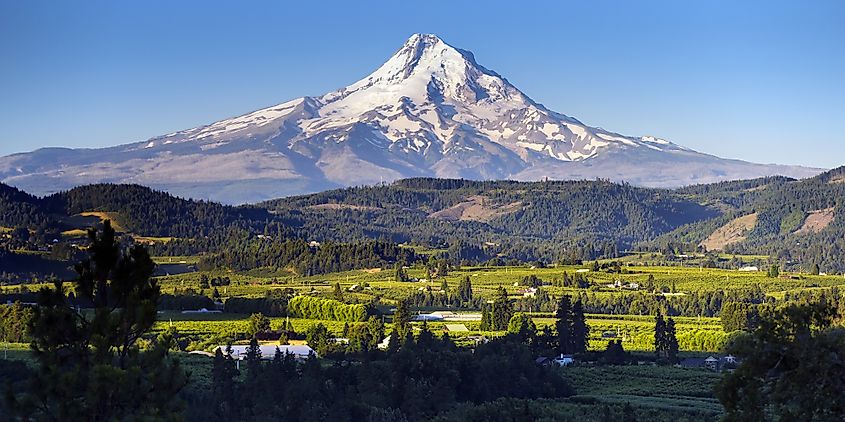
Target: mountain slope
x,y
430,110
797,222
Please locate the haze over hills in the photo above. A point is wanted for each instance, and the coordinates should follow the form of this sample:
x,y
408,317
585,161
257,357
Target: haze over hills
x,y
430,111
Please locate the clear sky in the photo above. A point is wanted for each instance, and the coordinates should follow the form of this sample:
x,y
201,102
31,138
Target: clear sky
x,y
762,81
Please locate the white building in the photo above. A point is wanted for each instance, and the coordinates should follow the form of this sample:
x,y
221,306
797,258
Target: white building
x,y
268,351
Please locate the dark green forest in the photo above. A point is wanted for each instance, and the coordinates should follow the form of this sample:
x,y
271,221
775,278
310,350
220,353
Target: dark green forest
x,y
470,221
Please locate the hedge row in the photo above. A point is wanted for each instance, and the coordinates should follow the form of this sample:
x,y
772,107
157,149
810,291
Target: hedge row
x,y
328,309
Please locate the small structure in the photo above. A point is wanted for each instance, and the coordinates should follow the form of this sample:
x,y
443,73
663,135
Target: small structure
x,y
268,351
749,268
711,363
384,343
529,292
582,270
455,328
201,311
564,360
427,317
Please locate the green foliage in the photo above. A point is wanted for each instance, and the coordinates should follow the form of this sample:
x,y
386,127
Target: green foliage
x,y
258,323
792,368
14,322
90,366
501,310
522,325
327,309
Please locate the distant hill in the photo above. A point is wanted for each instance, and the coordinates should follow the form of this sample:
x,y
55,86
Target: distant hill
x,y
801,222
797,222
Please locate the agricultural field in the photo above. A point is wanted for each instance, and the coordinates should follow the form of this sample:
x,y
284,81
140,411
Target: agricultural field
x,y
485,280
660,388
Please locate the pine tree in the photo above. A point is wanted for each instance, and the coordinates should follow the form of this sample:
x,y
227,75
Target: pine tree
x,y
91,360
465,290
485,319
671,341
394,342
502,310
580,330
660,341
402,317
224,392
565,340
337,293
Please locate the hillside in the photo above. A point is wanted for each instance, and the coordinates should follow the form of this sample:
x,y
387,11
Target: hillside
x,y
797,222
528,220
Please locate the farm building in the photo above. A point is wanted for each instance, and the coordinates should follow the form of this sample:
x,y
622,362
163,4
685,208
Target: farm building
x,y
749,269
427,317
710,363
455,328
268,351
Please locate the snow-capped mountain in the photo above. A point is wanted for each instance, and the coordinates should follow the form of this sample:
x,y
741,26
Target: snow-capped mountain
x,y
430,110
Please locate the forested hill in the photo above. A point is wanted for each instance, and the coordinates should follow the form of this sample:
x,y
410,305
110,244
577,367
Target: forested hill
x,y
796,222
137,209
518,219
20,209
153,213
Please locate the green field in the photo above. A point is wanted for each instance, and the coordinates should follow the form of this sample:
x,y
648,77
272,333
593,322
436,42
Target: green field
x,y
656,387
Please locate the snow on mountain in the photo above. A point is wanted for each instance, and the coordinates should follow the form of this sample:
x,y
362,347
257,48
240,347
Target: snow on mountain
x,y
430,110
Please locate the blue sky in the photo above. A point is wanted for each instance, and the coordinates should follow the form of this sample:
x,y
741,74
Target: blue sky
x,y
757,80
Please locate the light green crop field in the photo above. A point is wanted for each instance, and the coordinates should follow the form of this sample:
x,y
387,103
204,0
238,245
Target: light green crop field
x,y
486,280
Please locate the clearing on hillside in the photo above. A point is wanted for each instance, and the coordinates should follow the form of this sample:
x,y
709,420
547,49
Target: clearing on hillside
x,y
320,207
476,208
730,233
816,221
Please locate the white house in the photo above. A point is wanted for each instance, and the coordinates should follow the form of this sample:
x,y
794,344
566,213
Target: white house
x,y
564,360
749,269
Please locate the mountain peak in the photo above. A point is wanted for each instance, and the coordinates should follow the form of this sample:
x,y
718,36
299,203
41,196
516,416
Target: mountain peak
x,y
429,110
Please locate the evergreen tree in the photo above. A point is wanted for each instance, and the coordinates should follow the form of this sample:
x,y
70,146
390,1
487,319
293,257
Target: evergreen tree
x,y
502,310
89,364
394,342
564,326
465,290
522,325
580,330
814,270
223,375
337,293
258,323
253,357
485,319
660,340
402,317
671,341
